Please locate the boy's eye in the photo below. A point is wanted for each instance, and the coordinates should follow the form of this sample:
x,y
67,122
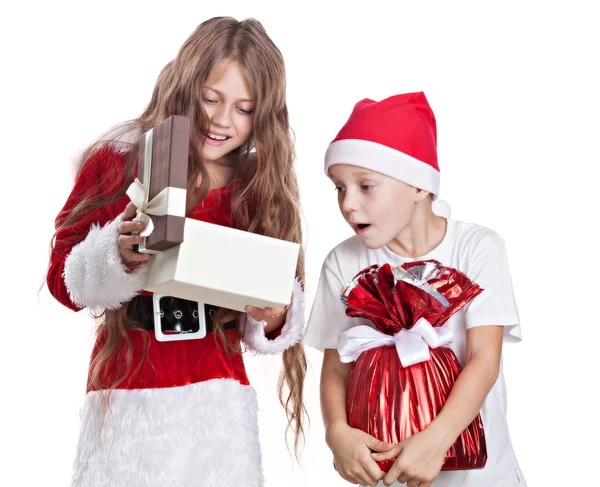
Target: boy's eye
x,y
366,187
339,189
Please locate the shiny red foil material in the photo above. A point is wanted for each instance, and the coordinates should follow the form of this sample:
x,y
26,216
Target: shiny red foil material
x,y
387,400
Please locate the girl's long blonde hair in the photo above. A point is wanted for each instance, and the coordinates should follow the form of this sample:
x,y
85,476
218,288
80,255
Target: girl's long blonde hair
x,y
264,189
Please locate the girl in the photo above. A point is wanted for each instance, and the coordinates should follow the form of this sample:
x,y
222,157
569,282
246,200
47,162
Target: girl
x,y
384,166
182,412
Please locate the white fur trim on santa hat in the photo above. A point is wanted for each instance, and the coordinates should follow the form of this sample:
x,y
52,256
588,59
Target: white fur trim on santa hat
x,y
441,208
203,434
291,333
95,275
385,160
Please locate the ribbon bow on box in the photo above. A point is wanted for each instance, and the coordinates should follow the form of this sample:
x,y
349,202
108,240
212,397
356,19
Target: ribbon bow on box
x,y
169,201
406,306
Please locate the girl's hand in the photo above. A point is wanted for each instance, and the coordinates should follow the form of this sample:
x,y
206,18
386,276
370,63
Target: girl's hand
x,y
351,450
419,460
125,238
260,314
273,317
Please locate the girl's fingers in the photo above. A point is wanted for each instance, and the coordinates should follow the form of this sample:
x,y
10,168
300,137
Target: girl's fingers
x,y
255,313
126,242
130,212
131,256
126,227
275,311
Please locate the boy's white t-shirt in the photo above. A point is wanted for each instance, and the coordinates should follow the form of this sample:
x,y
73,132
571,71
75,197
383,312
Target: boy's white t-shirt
x,y
479,253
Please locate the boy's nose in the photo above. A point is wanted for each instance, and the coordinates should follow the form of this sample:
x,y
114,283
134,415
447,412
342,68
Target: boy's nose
x,y
348,203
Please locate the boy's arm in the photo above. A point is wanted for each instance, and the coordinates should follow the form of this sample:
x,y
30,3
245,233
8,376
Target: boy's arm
x,y
351,447
484,349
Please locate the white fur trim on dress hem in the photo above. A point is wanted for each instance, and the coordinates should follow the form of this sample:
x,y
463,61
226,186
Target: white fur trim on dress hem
x,y
291,333
198,435
95,275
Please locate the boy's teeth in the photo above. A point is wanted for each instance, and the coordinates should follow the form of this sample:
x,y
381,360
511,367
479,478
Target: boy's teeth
x,y
217,137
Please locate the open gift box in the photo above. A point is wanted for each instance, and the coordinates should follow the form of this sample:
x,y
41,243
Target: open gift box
x,y
225,267
200,261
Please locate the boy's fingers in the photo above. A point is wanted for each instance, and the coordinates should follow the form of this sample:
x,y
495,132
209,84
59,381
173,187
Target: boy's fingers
x,y
386,455
393,474
374,472
377,445
358,477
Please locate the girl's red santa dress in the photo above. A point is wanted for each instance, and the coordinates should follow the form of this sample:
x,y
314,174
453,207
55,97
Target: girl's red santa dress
x,y
187,416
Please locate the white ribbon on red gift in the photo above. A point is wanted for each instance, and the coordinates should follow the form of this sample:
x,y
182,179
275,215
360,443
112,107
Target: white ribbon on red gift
x,y
170,201
412,345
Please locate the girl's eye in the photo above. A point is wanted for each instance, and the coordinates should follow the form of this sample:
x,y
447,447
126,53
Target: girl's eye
x,y
366,187
245,112
209,100
339,189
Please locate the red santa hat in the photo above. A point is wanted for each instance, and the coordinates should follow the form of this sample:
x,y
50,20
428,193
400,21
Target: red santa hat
x,y
396,137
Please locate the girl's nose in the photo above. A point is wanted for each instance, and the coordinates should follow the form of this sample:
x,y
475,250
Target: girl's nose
x,y
222,116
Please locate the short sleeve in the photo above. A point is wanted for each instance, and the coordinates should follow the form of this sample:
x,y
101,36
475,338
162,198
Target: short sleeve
x,y
328,318
496,304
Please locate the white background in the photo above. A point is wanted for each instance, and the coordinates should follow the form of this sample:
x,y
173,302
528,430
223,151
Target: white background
x,y
515,91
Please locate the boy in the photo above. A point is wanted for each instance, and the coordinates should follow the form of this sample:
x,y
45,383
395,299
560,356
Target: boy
x,y
384,165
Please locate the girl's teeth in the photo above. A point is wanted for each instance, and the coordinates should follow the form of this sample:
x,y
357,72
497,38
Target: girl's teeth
x,y
217,137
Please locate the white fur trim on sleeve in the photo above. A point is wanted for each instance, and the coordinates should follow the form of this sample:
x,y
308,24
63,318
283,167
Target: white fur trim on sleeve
x,y
291,333
95,275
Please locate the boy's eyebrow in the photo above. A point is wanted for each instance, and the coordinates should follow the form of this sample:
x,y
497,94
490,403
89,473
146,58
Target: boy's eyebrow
x,y
221,94
364,173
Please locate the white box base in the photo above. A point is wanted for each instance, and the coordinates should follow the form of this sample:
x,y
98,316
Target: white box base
x,y
225,267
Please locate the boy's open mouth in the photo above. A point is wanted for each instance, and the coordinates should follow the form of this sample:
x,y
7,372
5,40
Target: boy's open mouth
x,y
361,227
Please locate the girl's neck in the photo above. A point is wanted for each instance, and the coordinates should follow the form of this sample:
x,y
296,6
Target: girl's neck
x,y
425,233
220,172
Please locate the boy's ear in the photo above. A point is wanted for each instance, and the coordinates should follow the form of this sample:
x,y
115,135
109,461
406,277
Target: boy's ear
x,y
422,195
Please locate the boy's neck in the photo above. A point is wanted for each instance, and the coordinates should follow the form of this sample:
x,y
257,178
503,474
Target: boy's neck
x,y
424,234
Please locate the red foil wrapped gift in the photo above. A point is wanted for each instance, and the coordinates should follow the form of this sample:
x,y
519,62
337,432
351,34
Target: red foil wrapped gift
x,y
403,372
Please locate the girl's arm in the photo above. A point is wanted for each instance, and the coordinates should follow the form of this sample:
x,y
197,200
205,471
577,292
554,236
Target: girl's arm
x,y
85,267
351,447
269,330
421,456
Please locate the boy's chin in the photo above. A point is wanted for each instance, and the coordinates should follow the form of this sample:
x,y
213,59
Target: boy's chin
x,y
371,243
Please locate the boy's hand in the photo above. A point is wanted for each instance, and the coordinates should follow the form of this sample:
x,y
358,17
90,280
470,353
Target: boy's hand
x,y
351,450
419,460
